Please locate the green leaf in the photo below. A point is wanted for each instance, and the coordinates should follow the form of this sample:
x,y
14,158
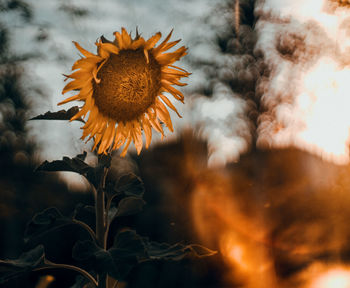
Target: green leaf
x,y
130,185
77,165
45,222
126,185
127,250
57,232
59,115
28,261
85,250
95,174
86,214
125,196
128,243
129,206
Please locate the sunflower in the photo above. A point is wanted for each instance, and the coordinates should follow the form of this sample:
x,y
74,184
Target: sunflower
x,y
122,87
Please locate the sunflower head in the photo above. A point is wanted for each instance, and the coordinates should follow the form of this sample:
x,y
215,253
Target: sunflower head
x,y
122,89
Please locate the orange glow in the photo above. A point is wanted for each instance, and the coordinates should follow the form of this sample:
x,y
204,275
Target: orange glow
x,y
333,279
282,216
234,252
45,281
337,277
241,240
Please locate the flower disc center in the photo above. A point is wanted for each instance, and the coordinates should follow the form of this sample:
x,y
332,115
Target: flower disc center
x,y
129,85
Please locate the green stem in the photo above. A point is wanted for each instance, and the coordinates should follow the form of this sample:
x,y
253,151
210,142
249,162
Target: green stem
x,y
51,265
100,223
100,216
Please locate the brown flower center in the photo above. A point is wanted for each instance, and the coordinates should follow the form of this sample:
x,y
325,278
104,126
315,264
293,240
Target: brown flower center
x,y
129,85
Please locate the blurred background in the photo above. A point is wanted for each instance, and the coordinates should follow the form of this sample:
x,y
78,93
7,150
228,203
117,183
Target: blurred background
x,y
256,169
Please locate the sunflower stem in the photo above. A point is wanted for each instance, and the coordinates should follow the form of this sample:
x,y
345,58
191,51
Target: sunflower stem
x,y
100,214
100,222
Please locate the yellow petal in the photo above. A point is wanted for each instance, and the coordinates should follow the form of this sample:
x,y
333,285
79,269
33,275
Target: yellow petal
x,y
73,85
146,55
102,52
86,63
176,93
170,71
161,45
163,115
80,74
156,125
96,69
170,105
172,80
137,136
178,68
169,58
97,128
125,148
107,138
153,40
119,39
137,43
126,39
82,50
110,48
73,98
146,125
85,109
169,45
119,139
98,138
128,137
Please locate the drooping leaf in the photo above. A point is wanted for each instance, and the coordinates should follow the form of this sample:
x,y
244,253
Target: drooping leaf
x,y
77,165
124,197
93,257
176,252
85,250
45,222
94,175
59,115
126,185
128,243
86,214
10,269
130,185
129,206
57,232
127,250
